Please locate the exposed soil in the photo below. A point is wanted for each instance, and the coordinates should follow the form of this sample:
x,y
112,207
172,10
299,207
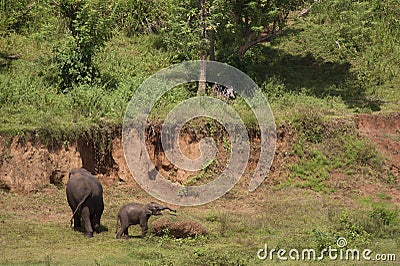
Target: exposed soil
x,y
384,131
25,166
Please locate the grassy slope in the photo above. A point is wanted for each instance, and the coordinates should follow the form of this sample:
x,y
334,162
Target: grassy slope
x,y
304,74
303,68
29,96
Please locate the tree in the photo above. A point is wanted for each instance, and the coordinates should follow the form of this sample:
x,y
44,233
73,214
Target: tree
x,y
203,56
224,30
88,27
19,16
234,26
248,23
138,16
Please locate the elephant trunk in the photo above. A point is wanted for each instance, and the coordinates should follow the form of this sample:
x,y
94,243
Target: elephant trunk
x,y
167,208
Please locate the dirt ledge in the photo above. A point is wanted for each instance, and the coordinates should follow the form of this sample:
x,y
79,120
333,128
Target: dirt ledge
x,y
29,166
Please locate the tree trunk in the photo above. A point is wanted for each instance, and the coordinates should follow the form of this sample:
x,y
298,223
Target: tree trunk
x,y
212,45
201,90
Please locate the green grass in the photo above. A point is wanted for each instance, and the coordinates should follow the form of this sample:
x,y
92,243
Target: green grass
x,y
30,99
302,69
35,230
325,67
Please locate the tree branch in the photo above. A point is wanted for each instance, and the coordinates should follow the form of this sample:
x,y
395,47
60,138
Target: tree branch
x,y
265,36
56,3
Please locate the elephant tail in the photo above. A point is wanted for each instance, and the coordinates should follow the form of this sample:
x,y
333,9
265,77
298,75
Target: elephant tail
x,y
80,204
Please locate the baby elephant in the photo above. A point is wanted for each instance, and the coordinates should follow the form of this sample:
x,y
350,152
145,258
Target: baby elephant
x,y
136,213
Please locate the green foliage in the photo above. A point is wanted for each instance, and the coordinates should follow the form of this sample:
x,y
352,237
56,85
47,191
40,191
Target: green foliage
x,y
241,25
352,154
181,35
138,17
352,229
273,89
301,71
323,240
235,27
348,225
310,124
382,219
379,220
362,32
312,171
89,26
31,101
20,16
384,216
170,99
329,147
358,152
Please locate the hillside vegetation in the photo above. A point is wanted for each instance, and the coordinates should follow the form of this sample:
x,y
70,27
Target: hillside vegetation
x,y
330,70
342,57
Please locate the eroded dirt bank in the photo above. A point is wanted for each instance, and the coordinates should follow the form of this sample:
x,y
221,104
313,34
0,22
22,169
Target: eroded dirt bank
x,y
384,131
28,166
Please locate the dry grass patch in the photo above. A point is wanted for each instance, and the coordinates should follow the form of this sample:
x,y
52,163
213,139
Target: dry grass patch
x,y
181,228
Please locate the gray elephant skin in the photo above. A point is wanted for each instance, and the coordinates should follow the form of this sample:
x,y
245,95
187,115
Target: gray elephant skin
x,y
136,213
85,197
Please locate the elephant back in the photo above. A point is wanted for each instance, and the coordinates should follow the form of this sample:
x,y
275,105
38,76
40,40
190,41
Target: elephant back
x,y
81,183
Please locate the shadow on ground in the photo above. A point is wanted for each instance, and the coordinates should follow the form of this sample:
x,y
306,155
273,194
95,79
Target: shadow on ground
x,y
311,75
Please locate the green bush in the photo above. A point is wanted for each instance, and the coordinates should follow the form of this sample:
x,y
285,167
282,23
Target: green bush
x,y
89,26
136,17
22,16
384,216
312,171
310,124
348,150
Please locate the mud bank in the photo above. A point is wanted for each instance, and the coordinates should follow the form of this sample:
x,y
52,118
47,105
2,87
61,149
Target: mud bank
x,y
27,165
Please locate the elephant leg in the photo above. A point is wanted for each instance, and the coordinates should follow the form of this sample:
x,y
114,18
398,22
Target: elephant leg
x,y
123,231
87,221
144,227
126,232
94,224
99,212
119,234
77,222
97,216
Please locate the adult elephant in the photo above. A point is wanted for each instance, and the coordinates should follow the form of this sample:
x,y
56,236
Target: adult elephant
x,y
136,213
85,197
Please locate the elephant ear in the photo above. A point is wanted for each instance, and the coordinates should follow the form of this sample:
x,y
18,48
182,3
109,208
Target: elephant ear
x,y
148,212
155,208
